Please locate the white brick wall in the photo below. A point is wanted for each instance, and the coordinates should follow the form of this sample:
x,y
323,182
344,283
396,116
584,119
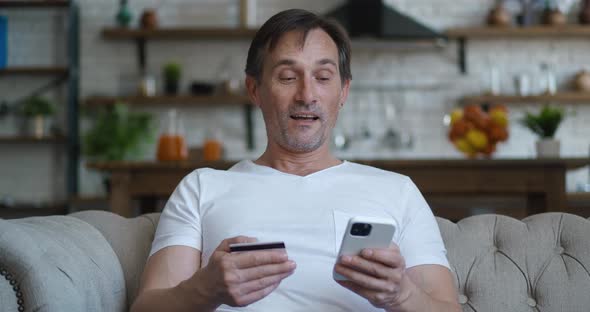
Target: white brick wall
x,y
435,84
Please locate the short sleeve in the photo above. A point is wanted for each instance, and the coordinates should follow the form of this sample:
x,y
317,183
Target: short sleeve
x,y
180,222
420,240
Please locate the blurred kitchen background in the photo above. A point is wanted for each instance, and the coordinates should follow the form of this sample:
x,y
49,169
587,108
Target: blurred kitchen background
x,y
83,56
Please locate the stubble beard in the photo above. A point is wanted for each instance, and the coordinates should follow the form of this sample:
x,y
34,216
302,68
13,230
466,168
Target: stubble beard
x,y
300,143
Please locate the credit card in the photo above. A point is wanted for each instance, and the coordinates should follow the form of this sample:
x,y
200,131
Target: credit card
x,y
256,246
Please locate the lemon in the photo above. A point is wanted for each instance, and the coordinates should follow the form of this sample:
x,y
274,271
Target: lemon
x,y
464,146
499,117
477,139
456,114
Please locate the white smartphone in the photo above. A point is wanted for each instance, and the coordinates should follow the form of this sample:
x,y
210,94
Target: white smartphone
x,y
364,232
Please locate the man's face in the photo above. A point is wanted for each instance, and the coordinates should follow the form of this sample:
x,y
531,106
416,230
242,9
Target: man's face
x,y
300,92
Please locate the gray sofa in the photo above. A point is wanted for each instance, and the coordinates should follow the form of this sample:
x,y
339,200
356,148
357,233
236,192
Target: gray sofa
x,y
92,261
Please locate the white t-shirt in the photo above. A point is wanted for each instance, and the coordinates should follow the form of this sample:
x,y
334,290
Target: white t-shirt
x,y
308,213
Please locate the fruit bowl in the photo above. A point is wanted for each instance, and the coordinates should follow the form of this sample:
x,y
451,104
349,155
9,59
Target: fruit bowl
x,y
476,132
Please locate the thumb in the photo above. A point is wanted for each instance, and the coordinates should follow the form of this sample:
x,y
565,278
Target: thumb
x,y
224,245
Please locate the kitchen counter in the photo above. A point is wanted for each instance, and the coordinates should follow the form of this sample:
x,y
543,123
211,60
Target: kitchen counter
x,y
542,181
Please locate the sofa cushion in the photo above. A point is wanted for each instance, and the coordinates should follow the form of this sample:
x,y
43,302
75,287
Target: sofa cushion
x,y
131,239
503,264
61,264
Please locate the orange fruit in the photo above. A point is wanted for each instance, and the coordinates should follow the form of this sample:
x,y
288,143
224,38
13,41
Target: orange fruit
x,y
460,128
472,112
490,149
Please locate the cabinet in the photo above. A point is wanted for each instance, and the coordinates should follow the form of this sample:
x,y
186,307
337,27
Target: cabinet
x,y
66,76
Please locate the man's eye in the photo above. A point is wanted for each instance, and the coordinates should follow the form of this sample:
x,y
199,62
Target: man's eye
x,y
287,78
323,78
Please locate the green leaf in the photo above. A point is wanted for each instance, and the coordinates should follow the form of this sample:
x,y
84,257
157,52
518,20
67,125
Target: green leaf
x,y
118,134
545,123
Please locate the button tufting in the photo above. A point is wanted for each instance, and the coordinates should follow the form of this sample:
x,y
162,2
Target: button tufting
x,y
531,302
463,299
560,250
2,272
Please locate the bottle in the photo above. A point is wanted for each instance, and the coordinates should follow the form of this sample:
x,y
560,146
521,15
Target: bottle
x,y
212,147
171,143
3,41
550,84
124,14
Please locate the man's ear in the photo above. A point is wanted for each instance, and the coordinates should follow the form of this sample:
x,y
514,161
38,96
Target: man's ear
x,y
344,94
252,89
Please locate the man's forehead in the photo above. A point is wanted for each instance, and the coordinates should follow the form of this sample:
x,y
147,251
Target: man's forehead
x,y
297,39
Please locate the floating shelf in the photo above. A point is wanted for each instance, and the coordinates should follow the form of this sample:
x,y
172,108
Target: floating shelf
x,y
531,32
33,3
520,32
34,70
31,139
142,36
562,97
179,33
187,100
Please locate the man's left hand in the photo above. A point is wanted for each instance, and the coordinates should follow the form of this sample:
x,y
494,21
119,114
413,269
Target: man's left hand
x,y
377,275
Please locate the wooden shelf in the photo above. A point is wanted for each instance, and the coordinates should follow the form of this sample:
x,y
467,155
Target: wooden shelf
x,y
531,32
169,100
87,199
520,32
386,164
34,70
22,210
179,33
579,196
562,97
27,139
33,3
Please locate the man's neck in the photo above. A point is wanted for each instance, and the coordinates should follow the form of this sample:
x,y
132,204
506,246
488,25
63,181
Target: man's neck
x,y
301,164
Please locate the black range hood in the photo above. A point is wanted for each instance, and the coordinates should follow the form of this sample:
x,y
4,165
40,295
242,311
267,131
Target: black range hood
x,y
374,19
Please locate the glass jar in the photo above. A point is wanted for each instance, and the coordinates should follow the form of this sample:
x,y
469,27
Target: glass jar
x,y
171,143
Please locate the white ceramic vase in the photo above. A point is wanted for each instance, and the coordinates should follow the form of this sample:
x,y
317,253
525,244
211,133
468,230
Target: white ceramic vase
x,y
548,148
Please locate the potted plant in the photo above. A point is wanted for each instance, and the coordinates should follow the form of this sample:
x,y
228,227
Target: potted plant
x,y
118,134
172,73
37,111
544,125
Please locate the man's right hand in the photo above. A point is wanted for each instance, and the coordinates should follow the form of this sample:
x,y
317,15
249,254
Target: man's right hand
x,y
241,278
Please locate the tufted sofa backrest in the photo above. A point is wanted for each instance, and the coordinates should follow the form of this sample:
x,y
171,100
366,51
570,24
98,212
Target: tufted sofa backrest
x,y
541,263
94,259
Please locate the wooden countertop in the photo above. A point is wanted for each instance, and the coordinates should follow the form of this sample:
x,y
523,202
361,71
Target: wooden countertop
x,y
569,163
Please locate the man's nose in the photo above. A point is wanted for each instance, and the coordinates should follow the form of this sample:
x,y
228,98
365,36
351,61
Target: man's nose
x,y
306,92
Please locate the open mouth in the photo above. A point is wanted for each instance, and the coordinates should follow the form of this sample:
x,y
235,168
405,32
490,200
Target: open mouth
x,y
305,117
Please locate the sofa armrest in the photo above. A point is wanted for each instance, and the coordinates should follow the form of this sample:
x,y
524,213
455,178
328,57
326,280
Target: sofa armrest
x,y
59,263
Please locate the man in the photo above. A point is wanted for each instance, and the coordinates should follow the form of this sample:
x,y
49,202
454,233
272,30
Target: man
x,y
298,73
